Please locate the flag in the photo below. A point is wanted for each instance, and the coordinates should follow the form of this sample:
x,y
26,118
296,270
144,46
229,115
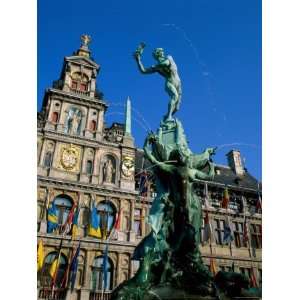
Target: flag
x,y
143,184
207,229
118,220
52,221
228,236
225,200
94,226
75,224
55,263
258,205
105,267
40,255
68,224
245,232
253,281
213,267
54,267
73,267
206,196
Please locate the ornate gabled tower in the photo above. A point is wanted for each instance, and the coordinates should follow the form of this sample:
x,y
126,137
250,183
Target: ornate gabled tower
x,y
76,88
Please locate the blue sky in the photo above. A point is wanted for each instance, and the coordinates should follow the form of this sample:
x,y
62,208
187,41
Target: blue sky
x,y
216,45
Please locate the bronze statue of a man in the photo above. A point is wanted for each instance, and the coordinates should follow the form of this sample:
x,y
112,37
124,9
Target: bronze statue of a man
x,y
167,68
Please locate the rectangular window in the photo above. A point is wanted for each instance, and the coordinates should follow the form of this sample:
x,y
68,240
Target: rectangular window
x,y
219,231
245,271
74,85
83,87
138,221
138,227
260,277
238,235
225,268
255,230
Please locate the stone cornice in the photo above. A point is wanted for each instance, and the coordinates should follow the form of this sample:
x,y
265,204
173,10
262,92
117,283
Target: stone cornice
x,y
80,140
83,187
230,187
85,242
93,102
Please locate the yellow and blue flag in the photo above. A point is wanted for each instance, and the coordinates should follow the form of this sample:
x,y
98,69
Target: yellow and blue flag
x,y
40,255
52,221
75,224
94,226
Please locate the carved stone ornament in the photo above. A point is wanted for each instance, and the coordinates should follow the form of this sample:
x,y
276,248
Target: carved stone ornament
x,y
127,166
69,157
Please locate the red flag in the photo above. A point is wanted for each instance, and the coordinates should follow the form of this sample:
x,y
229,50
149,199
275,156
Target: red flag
x,y
253,281
118,220
67,226
258,205
225,200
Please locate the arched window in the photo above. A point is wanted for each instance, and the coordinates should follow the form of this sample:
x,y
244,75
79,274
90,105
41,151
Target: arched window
x,y
63,204
45,277
89,167
54,117
93,125
97,282
48,159
107,214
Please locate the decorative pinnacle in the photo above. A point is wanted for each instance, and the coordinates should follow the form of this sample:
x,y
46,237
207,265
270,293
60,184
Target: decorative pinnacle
x,y
128,117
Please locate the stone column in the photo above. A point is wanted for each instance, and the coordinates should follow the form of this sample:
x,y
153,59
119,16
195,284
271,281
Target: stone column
x,y
99,131
87,131
96,167
43,222
131,232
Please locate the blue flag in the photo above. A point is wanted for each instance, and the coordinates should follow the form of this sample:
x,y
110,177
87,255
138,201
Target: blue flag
x,y
105,267
73,268
228,237
52,221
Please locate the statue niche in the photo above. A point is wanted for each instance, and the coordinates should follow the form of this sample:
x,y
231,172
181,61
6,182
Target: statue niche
x,y
73,121
109,169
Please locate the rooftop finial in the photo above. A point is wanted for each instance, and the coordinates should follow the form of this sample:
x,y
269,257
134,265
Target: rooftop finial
x,y
86,39
84,49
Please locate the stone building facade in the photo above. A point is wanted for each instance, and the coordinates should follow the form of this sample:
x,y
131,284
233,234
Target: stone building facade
x,y
81,161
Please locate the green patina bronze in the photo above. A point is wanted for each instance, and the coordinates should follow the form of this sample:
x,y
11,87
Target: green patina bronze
x,y
167,68
170,259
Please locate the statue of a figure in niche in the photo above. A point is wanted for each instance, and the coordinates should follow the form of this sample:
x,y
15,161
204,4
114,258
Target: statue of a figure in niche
x,y
108,171
167,68
76,122
73,121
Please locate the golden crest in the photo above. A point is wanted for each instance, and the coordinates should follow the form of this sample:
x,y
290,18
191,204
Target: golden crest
x,y
69,157
128,166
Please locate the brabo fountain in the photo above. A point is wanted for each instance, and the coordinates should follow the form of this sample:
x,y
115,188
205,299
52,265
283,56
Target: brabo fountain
x,y
171,266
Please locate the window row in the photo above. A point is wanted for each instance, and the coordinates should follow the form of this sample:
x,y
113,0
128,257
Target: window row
x,y
239,233
107,214
97,275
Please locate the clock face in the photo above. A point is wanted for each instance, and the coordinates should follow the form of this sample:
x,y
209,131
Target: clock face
x,y
69,157
128,166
